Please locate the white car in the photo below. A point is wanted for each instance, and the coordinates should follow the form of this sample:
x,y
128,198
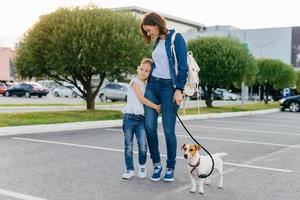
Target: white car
x,y
114,91
66,91
223,94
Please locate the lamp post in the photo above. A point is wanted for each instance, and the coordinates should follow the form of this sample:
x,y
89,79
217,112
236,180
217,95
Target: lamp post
x,y
261,47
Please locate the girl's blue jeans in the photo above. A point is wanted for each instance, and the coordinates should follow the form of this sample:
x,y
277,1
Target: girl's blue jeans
x,y
134,125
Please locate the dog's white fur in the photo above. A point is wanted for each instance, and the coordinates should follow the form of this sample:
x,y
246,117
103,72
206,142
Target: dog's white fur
x,y
191,153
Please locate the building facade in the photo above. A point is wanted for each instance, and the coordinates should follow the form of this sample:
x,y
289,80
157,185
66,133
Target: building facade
x,y
276,43
179,24
7,67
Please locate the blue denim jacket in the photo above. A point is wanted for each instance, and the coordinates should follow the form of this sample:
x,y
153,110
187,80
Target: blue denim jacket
x,y
181,55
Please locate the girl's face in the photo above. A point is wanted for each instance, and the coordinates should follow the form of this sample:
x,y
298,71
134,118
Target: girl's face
x,y
152,31
144,71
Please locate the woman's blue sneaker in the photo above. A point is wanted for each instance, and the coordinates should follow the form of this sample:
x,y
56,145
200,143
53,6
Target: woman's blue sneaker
x,y
156,173
169,176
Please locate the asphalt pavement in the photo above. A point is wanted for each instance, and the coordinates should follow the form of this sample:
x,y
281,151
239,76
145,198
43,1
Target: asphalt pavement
x,y
87,163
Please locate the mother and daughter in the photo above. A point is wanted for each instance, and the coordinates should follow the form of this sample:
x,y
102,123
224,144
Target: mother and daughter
x,y
157,88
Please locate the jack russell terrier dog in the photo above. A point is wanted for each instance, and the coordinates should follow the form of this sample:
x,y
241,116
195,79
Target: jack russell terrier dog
x,y
198,165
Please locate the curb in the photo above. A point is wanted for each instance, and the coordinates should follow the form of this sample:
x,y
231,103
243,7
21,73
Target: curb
x,y
46,128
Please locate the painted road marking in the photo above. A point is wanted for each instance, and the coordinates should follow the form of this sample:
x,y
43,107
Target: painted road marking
x,y
121,150
250,123
224,139
18,195
244,130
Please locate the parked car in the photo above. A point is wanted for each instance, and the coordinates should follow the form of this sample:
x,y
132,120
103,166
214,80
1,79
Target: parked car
x,y
27,90
66,90
292,103
223,94
3,88
114,91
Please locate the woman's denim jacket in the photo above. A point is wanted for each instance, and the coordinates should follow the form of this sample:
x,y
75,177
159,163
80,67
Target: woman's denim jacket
x,y
181,55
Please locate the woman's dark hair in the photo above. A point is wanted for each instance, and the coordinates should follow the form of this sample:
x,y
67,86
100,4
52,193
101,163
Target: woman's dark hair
x,y
153,19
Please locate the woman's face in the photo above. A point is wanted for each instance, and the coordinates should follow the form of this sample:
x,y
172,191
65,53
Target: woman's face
x,y
152,31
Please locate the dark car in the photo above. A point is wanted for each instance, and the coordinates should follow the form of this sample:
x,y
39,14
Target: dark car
x,y
114,91
292,103
27,90
3,88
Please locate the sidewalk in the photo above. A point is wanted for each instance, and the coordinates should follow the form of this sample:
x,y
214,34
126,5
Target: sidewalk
x,y
30,129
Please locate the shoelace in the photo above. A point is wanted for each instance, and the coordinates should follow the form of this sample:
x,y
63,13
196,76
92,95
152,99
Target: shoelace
x,y
156,169
169,172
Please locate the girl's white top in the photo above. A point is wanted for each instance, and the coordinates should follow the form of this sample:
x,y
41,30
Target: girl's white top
x,y
134,105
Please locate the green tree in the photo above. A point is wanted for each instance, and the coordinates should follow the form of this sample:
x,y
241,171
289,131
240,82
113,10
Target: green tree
x,y
80,44
298,81
276,74
222,61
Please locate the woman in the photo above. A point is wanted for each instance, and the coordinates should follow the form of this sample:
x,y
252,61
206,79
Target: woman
x,y
164,87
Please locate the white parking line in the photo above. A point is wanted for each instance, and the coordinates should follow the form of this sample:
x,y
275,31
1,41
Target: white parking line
x,y
271,119
241,141
224,139
120,150
244,130
18,195
251,123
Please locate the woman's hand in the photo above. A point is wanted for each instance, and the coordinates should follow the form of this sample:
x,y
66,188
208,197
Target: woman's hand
x,y
178,97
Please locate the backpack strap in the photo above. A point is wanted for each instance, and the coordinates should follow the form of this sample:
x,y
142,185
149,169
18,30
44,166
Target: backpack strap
x,y
174,51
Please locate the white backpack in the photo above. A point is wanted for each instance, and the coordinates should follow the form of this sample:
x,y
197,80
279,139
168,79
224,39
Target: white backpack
x,y
192,80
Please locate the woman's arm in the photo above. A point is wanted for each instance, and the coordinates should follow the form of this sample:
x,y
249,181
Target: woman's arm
x,y
141,97
181,55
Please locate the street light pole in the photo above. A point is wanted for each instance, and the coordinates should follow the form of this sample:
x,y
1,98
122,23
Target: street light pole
x,y
261,46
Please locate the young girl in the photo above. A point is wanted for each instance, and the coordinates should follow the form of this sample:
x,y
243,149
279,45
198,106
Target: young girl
x,y
134,121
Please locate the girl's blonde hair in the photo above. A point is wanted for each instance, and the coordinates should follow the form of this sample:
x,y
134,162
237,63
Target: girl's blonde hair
x,y
147,60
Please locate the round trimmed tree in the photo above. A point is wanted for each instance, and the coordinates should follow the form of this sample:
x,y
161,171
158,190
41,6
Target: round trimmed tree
x,y
223,61
78,45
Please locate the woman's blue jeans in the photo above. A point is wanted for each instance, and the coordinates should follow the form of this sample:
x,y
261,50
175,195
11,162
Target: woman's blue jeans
x,y
134,125
161,91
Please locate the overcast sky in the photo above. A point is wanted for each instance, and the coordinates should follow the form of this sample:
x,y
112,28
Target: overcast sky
x,y
17,16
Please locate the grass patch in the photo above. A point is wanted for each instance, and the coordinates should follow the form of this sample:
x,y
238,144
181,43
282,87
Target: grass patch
x,y
18,119
33,118
231,108
63,104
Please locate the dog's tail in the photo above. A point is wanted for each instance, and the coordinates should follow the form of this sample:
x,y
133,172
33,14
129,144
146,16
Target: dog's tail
x,y
221,154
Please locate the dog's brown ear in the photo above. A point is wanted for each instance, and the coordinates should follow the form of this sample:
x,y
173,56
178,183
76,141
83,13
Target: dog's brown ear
x,y
198,147
183,146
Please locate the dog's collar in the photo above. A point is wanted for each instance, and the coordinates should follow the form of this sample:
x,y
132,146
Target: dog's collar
x,y
194,166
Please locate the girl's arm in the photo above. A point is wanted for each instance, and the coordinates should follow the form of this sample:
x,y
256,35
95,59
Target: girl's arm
x,y
141,97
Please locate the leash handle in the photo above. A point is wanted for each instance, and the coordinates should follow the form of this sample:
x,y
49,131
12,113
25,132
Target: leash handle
x,y
213,163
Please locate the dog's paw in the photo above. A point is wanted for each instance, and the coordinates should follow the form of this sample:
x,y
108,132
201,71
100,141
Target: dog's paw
x,y
193,190
201,192
220,186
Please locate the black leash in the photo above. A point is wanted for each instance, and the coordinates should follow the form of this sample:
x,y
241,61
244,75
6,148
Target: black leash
x,y
213,163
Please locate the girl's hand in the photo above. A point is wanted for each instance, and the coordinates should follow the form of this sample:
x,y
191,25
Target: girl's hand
x,y
158,109
178,97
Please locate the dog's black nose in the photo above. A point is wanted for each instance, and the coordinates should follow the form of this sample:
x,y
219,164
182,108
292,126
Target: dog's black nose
x,y
185,156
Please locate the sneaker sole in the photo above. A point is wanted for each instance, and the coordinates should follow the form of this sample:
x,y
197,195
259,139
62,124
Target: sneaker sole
x,y
155,179
169,180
